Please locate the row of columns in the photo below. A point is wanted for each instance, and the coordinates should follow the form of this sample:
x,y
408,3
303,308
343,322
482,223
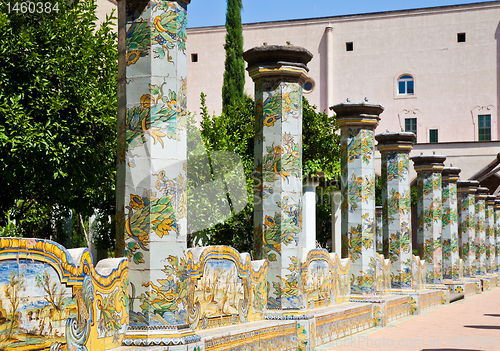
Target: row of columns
x,y
450,217
152,173
479,219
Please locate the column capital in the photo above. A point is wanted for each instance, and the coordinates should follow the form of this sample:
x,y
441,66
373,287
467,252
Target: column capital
x,y
482,193
358,114
497,204
490,200
431,163
467,186
276,61
395,142
451,174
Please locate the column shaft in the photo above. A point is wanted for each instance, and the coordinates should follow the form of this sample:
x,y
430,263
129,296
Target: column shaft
x,y
451,259
358,122
429,208
480,240
279,73
309,214
151,172
490,234
395,149
496,241
336,222
379,245
466,225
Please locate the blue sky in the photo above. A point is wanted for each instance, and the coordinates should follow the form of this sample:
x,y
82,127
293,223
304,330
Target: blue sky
x,y
203,13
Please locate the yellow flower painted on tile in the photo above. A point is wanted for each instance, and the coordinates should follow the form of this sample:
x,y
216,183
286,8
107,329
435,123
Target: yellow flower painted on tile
x,y
146,101
269,121
136,202
164,227
269,221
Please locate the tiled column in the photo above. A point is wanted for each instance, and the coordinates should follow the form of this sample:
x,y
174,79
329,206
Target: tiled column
x,y
496,242
490,233
279,73
379,231
394,149
151,172
466,225
358,122
480,240
429,209
451,259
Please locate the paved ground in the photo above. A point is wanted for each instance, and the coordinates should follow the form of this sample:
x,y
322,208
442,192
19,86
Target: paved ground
x,y
471,324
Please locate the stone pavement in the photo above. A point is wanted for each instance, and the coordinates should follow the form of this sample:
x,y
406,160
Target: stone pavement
x,y
471,324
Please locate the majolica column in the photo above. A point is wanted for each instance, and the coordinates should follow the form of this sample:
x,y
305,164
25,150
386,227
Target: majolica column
x,y
480,240
379,230
151,174
496,242
357,123
279,73
466,225
429,209
451,258
394,149
490,233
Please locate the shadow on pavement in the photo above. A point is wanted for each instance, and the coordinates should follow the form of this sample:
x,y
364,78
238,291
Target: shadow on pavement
x,y
492,315
483,326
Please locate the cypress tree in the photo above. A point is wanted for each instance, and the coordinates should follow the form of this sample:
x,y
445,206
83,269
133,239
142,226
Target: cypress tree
x,y
234,74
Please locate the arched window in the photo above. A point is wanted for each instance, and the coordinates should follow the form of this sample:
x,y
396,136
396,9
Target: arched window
x,y
406,85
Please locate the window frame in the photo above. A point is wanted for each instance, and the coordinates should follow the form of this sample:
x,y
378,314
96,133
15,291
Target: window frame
x,y
484,128
399,78
430,136
406,79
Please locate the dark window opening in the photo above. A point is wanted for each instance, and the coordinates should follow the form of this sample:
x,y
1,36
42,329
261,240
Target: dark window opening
x,y
433,135
194,57
411,125
349,46
461,37
484,124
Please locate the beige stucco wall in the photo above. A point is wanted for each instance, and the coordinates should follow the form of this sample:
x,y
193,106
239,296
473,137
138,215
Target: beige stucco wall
x,y
105,7
454,82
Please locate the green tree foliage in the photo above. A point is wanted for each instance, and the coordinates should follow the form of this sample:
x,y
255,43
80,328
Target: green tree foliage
x,y
57,115
234,131
321,146
234,74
